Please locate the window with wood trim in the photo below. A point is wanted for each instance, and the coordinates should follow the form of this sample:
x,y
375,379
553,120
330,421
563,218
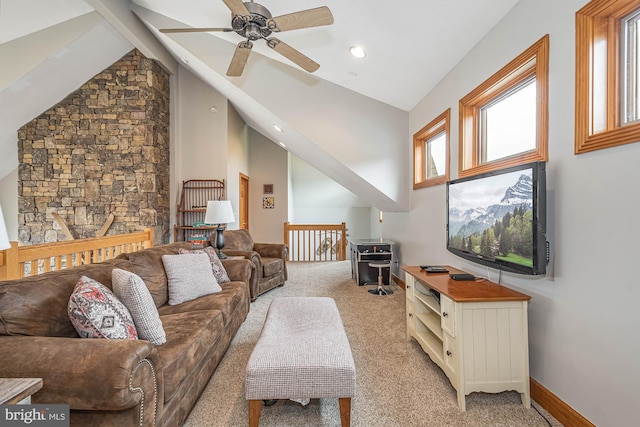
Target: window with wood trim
x,y
504,121
607,75
431,152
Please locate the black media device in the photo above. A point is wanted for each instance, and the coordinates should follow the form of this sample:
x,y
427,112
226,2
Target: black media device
x,y
434,269
462,276
498,219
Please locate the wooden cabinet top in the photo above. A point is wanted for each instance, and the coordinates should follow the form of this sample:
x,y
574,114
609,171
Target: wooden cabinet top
x,y
479,290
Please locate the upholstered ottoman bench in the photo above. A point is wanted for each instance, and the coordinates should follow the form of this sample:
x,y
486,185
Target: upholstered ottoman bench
x,y
303,352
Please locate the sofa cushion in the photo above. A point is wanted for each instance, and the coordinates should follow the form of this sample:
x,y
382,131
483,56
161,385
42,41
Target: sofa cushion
x,y
48,295
133,293
225,301
216,265
148,265
190,336
96,312
271,266
190,277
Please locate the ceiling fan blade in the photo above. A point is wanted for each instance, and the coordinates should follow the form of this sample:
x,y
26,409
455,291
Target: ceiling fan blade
x,y
293,55
194,30
239,60
303,19
237,7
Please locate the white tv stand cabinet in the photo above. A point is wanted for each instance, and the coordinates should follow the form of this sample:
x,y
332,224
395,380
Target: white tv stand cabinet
x,y
477,332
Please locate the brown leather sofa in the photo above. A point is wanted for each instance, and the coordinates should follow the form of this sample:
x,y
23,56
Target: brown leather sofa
x,y
269,259
119,382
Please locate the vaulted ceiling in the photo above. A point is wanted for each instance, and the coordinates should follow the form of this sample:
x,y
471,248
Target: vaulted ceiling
x,y
48,48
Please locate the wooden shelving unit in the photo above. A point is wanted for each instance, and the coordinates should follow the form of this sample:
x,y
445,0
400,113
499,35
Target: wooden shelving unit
x,y
192,208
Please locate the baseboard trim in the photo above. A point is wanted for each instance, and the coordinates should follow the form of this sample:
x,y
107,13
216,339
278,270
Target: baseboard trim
x,y
399,281
556,407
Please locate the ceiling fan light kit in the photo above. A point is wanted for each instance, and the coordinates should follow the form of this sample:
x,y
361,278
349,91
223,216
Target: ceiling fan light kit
x,y
253,21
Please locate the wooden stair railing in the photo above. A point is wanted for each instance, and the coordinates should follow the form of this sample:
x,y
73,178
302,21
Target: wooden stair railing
x,y
21,261
316,242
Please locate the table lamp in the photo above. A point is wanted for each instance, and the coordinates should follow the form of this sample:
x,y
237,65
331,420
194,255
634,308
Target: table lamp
x,y
219,212
4,237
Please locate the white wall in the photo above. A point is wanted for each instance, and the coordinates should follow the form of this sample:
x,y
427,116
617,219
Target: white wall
x,y
9,203
237,160
201,144
317,199
268,164
583,316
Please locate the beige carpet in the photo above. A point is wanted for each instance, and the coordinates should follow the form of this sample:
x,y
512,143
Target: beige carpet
x,y
396,382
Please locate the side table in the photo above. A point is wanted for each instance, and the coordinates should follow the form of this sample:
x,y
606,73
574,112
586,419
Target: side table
x,y
15,390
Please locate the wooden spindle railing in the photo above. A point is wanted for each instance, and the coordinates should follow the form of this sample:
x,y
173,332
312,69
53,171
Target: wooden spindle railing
x,y
21,261
316,242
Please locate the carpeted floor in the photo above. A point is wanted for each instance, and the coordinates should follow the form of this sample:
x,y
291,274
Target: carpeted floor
x,y
396,382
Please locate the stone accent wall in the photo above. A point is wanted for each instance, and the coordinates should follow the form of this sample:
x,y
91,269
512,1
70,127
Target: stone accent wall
x,y
103,149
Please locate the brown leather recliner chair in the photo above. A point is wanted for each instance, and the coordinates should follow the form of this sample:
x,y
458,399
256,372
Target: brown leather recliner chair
x,y
269,259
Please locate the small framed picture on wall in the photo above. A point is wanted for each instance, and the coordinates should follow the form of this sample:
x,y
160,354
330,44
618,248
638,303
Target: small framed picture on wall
x,y
267,188
268,203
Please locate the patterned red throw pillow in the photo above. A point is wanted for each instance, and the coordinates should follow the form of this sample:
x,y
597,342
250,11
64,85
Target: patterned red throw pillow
x,y
96,312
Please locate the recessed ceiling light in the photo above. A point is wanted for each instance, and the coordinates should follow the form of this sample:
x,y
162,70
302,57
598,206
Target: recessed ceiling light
x,y
358,52
278,128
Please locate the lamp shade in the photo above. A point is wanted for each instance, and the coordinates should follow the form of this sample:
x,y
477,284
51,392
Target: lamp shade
x,y
219,212
4,238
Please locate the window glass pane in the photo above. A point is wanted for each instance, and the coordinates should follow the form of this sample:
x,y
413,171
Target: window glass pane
x,y
509,125
436,155
631,69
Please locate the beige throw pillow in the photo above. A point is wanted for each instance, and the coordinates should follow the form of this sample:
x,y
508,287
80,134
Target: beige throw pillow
x,y
134,294
216,265
190,277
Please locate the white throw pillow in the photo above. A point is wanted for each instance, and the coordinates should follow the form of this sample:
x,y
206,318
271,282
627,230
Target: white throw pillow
x,y
190,277
219,271
134,294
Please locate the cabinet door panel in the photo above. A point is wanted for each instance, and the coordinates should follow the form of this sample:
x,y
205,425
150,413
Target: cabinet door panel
x,y
448,313
451,355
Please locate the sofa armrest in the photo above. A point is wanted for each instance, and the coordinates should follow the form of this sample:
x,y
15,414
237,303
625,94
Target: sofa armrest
x,y
238,269
87,374
256,268
272,250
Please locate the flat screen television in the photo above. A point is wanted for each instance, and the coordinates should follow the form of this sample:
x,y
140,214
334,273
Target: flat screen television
x,y
498,219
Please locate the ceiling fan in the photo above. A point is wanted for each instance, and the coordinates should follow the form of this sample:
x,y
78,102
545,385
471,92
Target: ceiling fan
x,y
254,21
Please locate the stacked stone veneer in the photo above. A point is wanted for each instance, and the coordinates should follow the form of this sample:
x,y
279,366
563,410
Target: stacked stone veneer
x,y
104,149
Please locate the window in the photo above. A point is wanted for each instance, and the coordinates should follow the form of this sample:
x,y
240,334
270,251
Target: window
x,y
607,75
431,153
503,122
631,68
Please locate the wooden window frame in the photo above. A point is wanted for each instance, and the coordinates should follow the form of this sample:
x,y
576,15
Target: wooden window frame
x,y
532,62
420,139
598,26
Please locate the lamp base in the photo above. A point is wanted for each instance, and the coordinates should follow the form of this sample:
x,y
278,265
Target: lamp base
x,y
220,242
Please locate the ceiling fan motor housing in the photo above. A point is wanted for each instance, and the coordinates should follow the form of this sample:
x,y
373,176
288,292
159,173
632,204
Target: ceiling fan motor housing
x,y
255,26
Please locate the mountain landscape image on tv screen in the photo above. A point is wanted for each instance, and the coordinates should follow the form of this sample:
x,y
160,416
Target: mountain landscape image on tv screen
x,y
493,217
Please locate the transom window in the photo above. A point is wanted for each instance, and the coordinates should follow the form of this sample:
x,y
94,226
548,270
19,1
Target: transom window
x,y
508,124
503,122
431,153
607,74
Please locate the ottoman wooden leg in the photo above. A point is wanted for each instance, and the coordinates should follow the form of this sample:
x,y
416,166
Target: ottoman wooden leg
x,y
345,411
255,406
